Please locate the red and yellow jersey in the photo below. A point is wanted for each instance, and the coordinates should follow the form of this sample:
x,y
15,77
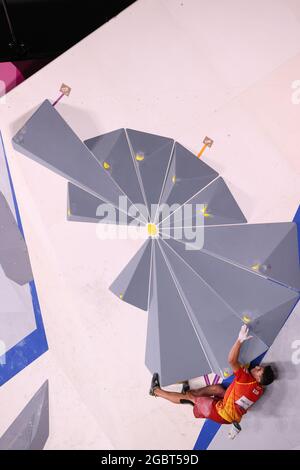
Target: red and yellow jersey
x,y
240,395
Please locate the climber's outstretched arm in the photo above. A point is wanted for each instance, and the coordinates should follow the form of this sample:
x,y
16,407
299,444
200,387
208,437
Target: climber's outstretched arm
x,y
233,357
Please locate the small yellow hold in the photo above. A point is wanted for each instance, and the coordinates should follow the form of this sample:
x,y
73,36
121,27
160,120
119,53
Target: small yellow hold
x,y
106,165
226,373
204,211
139,157
121,296
246,319
174,179
255,267
152,230
69,213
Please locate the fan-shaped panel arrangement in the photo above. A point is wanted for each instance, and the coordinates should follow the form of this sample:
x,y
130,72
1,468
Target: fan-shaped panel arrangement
x,y
204,271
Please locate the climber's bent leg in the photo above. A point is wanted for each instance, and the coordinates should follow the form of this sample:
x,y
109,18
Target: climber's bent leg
x,y
174,397
209,391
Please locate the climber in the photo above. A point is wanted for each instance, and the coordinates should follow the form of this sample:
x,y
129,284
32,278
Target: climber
x,y
215,402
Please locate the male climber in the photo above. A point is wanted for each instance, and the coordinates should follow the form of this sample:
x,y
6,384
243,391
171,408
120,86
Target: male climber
x,y
216,403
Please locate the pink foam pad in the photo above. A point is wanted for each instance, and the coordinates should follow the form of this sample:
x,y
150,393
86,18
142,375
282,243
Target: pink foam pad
x,y
10,77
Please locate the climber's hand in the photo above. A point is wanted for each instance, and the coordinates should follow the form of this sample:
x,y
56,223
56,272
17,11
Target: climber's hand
x,y
244,334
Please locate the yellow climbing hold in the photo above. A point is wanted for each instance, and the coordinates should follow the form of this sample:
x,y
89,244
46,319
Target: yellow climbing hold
x,y
246,319
121,296
204,211
139,157
69,213
174,179
226,373
152,230
106,165
255,267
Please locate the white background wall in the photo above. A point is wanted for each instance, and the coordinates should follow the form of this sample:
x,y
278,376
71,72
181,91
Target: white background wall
x,y
180,68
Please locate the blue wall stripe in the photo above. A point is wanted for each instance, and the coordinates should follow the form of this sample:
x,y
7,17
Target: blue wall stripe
x,y
35,344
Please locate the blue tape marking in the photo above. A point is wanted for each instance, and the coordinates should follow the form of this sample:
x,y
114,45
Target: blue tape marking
x,y
207,433
35,344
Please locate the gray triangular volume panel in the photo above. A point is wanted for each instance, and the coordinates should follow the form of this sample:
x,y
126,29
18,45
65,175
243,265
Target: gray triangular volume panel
x,y
267,249
187,175
113,153
49,140
268,325
214,320
132,284
85,207
173,348
214,205
248,295
14,257
152,154
30,430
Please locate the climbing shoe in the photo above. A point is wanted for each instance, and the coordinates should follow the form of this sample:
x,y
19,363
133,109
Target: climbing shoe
x,y
154,384
185,387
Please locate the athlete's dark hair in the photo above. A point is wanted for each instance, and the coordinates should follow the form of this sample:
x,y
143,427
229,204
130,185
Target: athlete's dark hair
x,y
267,376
